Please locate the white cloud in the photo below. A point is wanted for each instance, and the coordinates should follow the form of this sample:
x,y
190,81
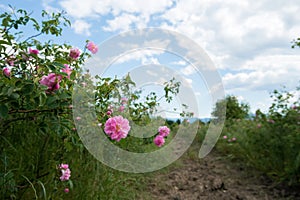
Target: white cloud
x,y
266,72
188,70
141,55
126,13
47,6
235,30
126,22
150,60
86,8
180,63
82,27
92,8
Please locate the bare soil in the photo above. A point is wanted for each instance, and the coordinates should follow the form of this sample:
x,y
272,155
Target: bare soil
x,y
214,177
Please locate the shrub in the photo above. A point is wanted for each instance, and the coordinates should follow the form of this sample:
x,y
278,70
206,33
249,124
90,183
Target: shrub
x,y
269,142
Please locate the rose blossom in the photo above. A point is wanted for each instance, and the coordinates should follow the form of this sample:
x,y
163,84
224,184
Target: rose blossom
x,y
108,112
11,60
92,47
67,70
121,108
117,128
78,118
66,190
6,71
66,174
159,140
52,81
124,100
64,166
163,131
74,53
33,51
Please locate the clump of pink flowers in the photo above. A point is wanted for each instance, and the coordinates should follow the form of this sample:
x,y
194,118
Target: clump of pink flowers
x,y
163,131
65,172
92,47
117,128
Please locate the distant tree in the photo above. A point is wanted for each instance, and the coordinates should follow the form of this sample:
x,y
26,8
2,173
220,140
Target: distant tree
x,y
296,43
234,109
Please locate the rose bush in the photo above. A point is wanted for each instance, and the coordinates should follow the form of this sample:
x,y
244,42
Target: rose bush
x,y
37,129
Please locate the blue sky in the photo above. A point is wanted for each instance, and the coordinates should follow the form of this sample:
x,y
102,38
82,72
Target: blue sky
x,y
249,42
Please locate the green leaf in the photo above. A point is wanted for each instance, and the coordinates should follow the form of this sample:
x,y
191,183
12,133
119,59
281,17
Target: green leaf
x,y
50,101
28,88
42,99
3,111
59,65
14,95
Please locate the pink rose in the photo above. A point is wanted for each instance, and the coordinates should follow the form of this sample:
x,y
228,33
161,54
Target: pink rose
x,y
121,108
63,166
92,47
124,100
74,53
65,174
6,71
52,81
163,131
67,70
159,140
117,128
66,190
33,51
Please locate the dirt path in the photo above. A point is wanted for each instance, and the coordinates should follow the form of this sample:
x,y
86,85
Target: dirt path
x,y
214,178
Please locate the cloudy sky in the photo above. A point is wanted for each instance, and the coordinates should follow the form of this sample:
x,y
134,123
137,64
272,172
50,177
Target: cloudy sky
x,y
249,42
